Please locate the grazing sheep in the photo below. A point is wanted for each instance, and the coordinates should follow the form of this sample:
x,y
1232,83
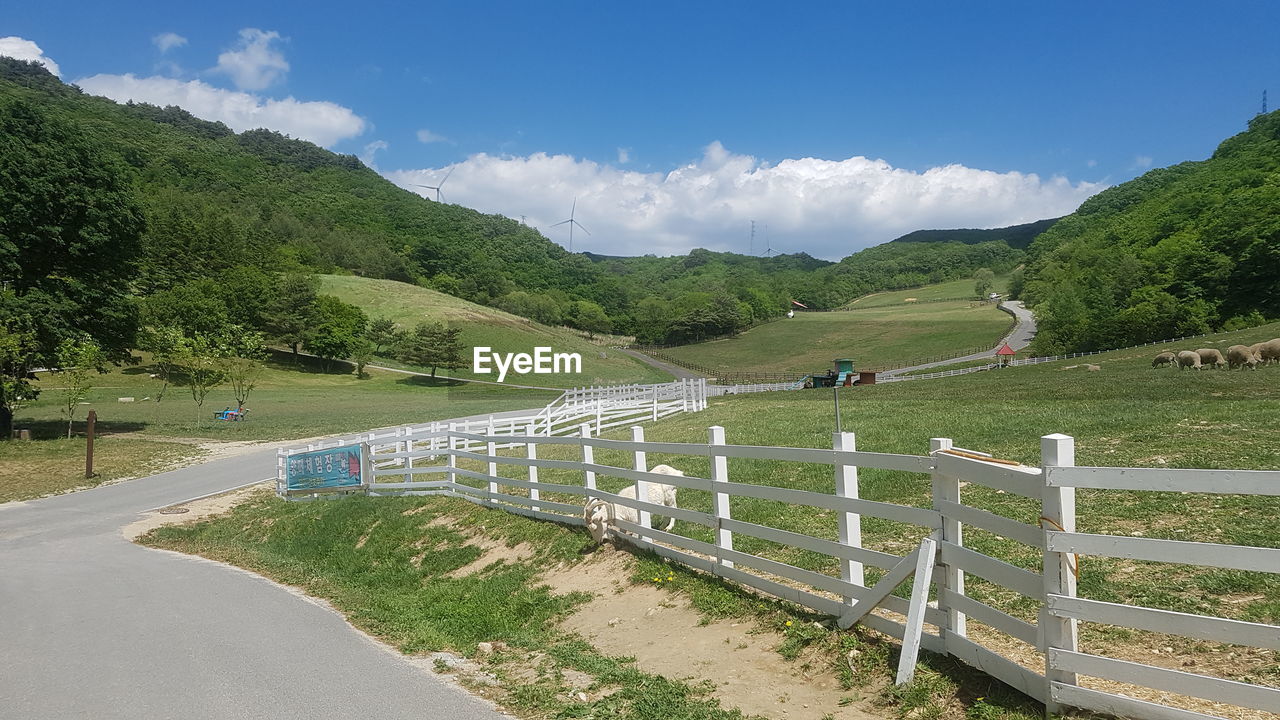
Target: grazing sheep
x,y
1267,352
599,514
1188,359
1165,358
1211,357
1241,356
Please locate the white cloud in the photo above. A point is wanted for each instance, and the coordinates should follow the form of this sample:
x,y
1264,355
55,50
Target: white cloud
x,y
368,155
252,63
426,136
824,207
1142,162
323,123
1092,163
167,41
624,156
23,49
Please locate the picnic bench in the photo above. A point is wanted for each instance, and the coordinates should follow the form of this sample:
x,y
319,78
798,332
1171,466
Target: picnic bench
x,y
230,415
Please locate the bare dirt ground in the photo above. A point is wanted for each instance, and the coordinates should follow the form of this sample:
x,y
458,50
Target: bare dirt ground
x,y
196,510
668,637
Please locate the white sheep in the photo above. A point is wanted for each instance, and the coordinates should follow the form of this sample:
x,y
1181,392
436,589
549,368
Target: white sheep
x,y
600,514
1267,352
1241,356
1164,359
1188,359
1211,357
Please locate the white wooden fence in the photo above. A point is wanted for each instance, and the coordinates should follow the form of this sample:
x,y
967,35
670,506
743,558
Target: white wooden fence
x,y
398,469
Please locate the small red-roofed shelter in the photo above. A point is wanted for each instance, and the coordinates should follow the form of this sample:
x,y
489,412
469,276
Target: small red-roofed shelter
x,y
1004,354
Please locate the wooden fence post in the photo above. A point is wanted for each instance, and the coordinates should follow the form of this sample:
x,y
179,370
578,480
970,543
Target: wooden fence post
x,y
408,448
452,461
719,476
491,449
589,458
599,415
655,403
281,459
1058,512
641,463
947,489
684,394
531,452
849,523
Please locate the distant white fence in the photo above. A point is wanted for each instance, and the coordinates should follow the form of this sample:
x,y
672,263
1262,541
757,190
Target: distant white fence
x,y
719,390
1018,362
427,463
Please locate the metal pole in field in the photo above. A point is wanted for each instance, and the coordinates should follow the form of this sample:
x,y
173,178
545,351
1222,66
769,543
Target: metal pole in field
x,y
835,393
88,448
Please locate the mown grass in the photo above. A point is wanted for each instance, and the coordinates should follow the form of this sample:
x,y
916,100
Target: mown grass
x,y
45,467
1124,414
946,290
386,564
409,305
294,399
877,337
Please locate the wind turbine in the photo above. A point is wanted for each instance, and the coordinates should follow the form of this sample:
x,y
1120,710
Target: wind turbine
x,y
571,223
437,187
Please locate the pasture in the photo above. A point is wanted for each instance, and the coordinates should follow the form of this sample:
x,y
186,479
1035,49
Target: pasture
x,y
407,305
292,400
880,337
1124,414
951,290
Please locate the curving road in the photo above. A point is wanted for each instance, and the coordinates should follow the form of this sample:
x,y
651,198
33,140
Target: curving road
x,y
94,626
1018,338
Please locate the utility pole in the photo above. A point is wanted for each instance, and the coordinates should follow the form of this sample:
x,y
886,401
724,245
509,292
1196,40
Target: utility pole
x,y
751,248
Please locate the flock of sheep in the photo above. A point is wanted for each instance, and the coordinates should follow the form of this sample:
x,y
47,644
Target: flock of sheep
x,y
1238,356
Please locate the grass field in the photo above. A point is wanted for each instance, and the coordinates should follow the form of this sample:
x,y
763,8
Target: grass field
x,y
291,401
878,337
409,305
45,467
947,290
1125,414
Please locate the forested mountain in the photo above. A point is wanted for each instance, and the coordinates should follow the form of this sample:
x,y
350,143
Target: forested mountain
x,y
222,211
1015,236
1178,251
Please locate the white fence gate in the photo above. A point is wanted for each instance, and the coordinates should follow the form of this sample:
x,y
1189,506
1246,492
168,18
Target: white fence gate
x,y
397,469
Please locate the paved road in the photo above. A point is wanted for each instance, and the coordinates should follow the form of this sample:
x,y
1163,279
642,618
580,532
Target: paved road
x,y
1018,338
94,626
677,371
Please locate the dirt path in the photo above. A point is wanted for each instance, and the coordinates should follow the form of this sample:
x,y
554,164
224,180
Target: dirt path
x,y
669,637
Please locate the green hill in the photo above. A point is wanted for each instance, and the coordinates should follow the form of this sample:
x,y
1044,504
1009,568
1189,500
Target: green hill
x,y
1015,236
1178,251
888,332
408,305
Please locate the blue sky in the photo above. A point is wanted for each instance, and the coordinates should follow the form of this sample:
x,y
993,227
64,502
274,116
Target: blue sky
x,y
838,125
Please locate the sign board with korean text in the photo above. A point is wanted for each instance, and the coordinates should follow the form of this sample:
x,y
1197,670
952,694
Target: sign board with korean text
x,y
330,468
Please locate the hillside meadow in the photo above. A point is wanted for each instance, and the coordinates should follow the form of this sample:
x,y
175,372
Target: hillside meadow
x,y
407,305
878,337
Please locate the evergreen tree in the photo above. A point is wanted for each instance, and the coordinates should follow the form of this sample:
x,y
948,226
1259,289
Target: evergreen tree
x,y
433,345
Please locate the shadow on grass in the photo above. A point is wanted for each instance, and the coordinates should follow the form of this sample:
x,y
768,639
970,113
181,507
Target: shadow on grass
x,y
285,360
55,429
428,381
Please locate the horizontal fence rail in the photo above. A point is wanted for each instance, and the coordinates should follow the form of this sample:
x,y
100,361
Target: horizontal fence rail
x,y
543,466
